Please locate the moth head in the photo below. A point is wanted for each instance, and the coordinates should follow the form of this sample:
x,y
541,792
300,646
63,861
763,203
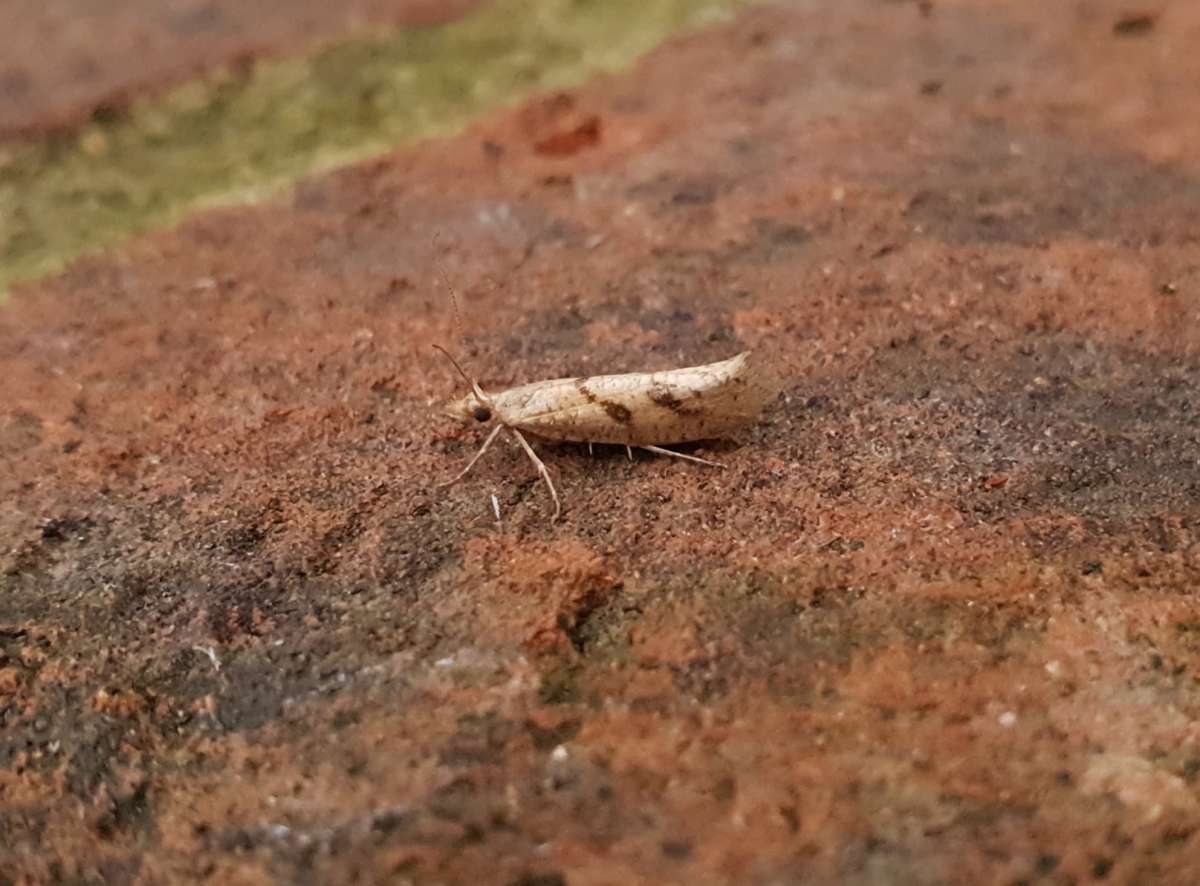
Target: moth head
x,y
476,406
471,408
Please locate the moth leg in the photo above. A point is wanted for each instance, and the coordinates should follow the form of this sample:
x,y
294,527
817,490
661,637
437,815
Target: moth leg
x,y
478,455
541,470
703,461
629,452
590,449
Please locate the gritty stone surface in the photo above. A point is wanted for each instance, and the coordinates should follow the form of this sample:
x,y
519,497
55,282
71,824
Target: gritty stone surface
x,y
936,621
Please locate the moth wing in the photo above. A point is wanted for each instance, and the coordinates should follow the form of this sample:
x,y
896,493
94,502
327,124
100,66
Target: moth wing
x,y
675,406
566,409
712,400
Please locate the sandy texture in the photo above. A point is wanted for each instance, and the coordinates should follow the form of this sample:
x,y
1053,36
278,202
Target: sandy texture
x,y
936,622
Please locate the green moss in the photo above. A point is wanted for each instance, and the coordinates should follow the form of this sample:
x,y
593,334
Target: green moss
x,y
238,137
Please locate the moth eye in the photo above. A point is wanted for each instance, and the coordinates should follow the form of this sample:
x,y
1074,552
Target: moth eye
x,y
482,413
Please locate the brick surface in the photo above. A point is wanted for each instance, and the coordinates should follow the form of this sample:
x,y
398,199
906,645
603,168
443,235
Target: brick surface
x,y
936,622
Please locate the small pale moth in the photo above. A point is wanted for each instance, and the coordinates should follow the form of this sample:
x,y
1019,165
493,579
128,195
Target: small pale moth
x,y
637,409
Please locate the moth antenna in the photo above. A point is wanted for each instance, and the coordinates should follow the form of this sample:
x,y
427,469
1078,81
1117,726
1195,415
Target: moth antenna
x,y
441,270
457,320
466,377
470,381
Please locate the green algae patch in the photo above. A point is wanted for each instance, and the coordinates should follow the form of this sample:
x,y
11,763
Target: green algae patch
x,y
240,136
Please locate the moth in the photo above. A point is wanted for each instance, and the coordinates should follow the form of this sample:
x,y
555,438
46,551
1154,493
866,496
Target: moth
x,y
646,410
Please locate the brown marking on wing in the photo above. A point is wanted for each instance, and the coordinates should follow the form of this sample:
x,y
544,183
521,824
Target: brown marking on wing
x,y
616,411
581,385
661,395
